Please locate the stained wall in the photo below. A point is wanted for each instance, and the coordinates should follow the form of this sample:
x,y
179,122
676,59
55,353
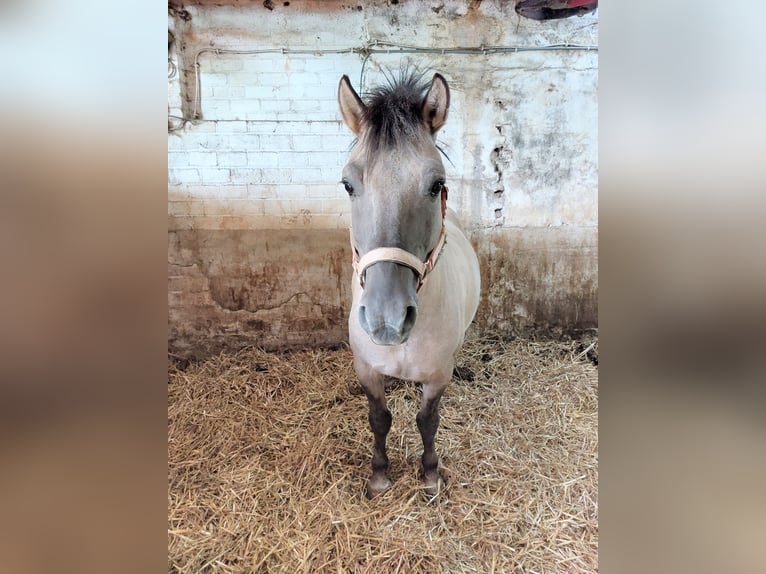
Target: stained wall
x,y
258,243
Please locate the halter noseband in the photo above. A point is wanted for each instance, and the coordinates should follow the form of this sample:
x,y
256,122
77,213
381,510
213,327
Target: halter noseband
x,y
397,255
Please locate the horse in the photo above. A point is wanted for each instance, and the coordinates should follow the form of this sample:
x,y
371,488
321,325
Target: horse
x,y
415,281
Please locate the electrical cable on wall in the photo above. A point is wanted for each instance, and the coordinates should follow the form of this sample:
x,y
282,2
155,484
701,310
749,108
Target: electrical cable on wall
x,y
373,47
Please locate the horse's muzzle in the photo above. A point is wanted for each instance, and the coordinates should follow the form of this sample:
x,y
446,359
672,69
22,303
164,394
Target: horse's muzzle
x,y
383,333
388,307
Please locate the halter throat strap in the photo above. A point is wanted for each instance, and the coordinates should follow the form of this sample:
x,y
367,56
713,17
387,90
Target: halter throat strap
x,y
401,256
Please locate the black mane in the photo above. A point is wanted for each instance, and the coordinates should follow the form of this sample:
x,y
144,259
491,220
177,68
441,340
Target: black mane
x,y
393,111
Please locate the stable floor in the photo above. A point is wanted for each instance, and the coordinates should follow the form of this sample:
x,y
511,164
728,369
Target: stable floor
x,y
268,455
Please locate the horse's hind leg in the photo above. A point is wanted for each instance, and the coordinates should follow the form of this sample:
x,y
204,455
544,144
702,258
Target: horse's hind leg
x,y
380,424
428,422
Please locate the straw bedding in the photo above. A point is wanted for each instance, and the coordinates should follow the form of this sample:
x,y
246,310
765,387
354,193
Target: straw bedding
x,y
269,454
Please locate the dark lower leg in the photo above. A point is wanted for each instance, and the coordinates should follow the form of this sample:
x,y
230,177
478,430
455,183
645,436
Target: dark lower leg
x,y
380,424
428,422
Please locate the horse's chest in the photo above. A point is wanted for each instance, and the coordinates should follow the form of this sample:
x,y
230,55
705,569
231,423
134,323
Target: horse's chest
x,y
418,359
402,361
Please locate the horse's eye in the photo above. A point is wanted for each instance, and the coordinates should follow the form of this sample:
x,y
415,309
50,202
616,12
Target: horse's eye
x,y
348,187
437,187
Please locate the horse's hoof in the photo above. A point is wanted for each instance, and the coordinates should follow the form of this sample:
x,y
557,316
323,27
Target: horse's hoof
x,y
433,484
377,485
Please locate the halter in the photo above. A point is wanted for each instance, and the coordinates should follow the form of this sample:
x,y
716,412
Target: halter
x,y
397,255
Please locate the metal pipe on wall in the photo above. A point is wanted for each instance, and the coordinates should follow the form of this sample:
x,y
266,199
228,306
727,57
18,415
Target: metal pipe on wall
x,y
372,47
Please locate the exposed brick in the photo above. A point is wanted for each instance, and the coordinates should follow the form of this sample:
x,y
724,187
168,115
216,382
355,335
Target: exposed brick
x,y
223,65
231,159
214,175
247,79
206,142
308,175
262,159
336,206
351,66
293,63
189,208
262,127
228,92
201,159
178,208
178,159
329,106
287,207
271,106
329,174
260,63
177,141
244,175
320,191
213,109
229,222
233,207
270,142
305,105
243,142
245,109
306,143
290,159
330,126
322,64
212,80
201,126
197,189
235,190
180,175
270,175
232,127
176,222
326,159
292,191
331,221
178,192
337,142
284,127
205,222
259,91
307,116
260,190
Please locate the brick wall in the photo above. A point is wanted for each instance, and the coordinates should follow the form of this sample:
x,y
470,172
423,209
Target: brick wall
x,y
262,172
263,157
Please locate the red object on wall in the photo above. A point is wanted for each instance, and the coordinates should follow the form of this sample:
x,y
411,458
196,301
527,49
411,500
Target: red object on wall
x,y
554,9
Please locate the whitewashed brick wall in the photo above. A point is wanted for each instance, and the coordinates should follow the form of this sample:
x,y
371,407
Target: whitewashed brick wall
x,y
269,145
253,181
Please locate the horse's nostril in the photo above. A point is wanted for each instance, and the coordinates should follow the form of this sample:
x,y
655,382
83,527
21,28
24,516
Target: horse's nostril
x,y
363,318
409,318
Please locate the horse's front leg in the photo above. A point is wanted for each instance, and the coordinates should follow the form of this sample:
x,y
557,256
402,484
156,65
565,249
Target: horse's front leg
x,y
373,384
428,422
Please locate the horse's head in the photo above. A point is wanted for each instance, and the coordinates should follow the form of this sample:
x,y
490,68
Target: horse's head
x,y
395,178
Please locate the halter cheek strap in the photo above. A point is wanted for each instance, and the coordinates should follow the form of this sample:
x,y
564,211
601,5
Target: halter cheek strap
x,y
397,255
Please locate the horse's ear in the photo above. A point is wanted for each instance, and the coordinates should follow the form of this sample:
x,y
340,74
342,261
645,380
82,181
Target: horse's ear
x,y
436,104
351,106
